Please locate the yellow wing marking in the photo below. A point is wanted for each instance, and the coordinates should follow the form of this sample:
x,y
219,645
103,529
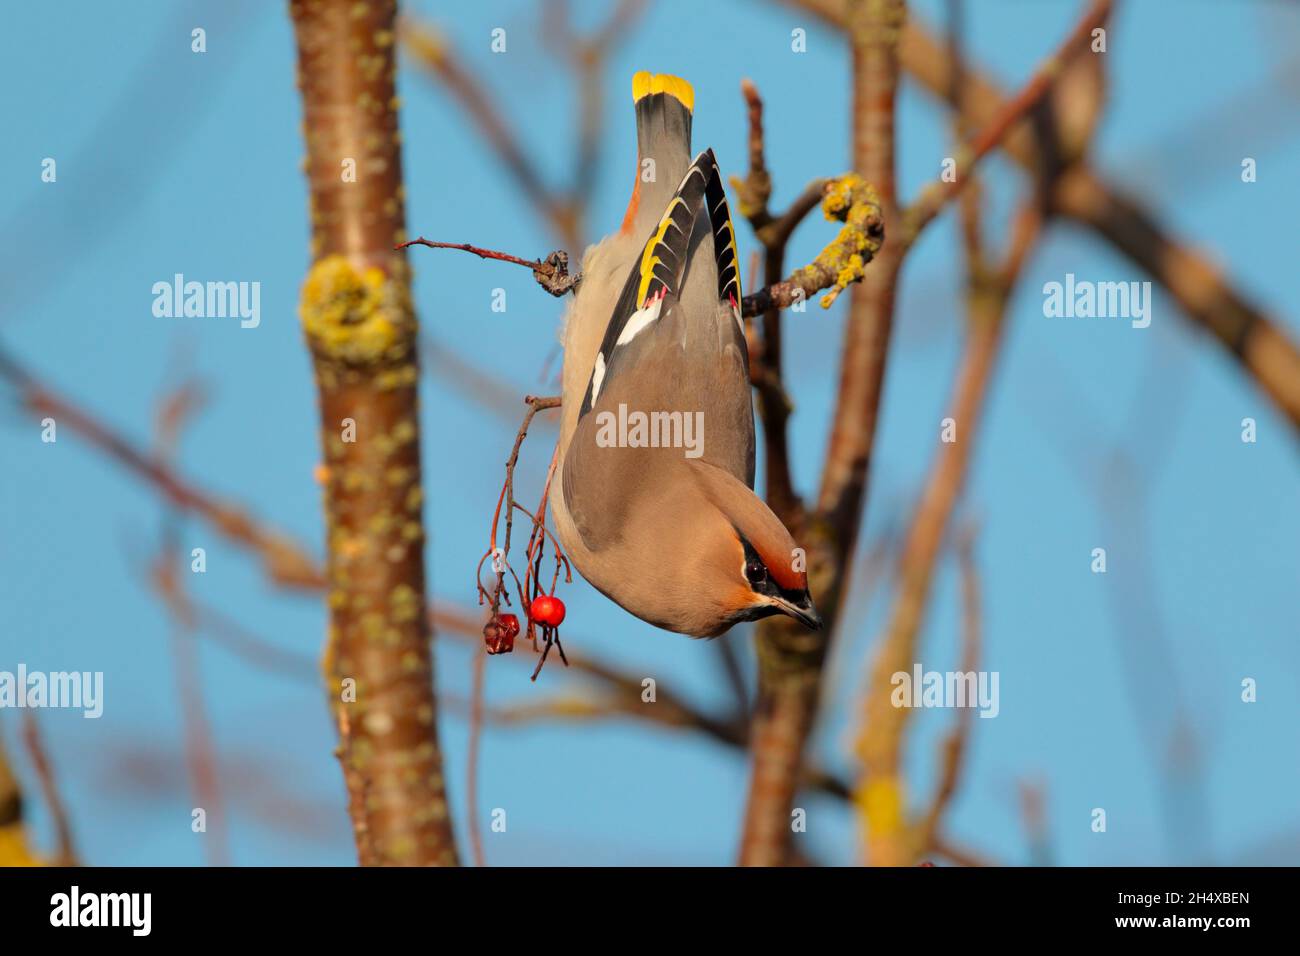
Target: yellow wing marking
x,y
648,258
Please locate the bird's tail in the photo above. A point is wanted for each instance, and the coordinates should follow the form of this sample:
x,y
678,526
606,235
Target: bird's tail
x,y
663,113
663,137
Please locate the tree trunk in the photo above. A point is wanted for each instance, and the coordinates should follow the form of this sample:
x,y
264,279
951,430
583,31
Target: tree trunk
x,y
361,328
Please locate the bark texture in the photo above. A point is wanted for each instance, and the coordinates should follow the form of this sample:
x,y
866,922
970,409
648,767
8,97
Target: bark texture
x,y
360,325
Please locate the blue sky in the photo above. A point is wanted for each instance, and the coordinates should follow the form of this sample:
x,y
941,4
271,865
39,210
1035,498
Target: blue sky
x,y
169,161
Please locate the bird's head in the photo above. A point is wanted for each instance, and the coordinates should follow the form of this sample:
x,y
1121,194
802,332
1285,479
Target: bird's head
x,y
748,566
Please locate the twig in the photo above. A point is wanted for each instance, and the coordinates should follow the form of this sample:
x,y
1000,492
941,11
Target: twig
x,y
200,754
256,650
506,502
730,665
432,51
619,695
1207,296
1033,808
201,760
790,657
551,273
955,744
848,199
880,789
933,198
66,852
754,191
285,562
586,56
465,379
471,768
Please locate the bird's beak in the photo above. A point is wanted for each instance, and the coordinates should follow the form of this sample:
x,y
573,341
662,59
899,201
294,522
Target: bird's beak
x,y
804,613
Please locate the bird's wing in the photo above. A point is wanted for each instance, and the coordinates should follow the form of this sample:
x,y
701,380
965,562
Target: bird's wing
x,y
674,344
654,284
725,256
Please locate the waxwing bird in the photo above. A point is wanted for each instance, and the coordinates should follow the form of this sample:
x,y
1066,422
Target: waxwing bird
x,y
655,466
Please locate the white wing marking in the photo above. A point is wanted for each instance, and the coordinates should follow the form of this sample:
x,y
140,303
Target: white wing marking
x,y
640,319
598,377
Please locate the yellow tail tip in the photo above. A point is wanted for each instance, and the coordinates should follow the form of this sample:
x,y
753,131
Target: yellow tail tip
x,y
645,84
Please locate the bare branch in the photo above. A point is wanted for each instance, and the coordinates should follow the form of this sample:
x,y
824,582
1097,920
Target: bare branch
x,y
362,330
888,837
200,753
955,744
617,695
472,758
1207,296
551,273
285,562
586,56
774,404
849,200
790,657
434,53
932,200
65,853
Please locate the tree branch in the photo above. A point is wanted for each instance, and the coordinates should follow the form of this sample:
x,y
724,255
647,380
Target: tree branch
x,y
955,744
932,200
1208,298
551,273
285,562
617,694
66,851
790,657
362,330
432,51
889,838
849,200
852,201
774,405
200,754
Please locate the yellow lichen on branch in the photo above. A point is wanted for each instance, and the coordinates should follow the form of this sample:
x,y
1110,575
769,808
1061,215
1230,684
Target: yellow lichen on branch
x,y
356,316
848,199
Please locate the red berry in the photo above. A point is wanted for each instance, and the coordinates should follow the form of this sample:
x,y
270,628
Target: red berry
x,y
509,623
557,612
547,610
498,636
540,609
